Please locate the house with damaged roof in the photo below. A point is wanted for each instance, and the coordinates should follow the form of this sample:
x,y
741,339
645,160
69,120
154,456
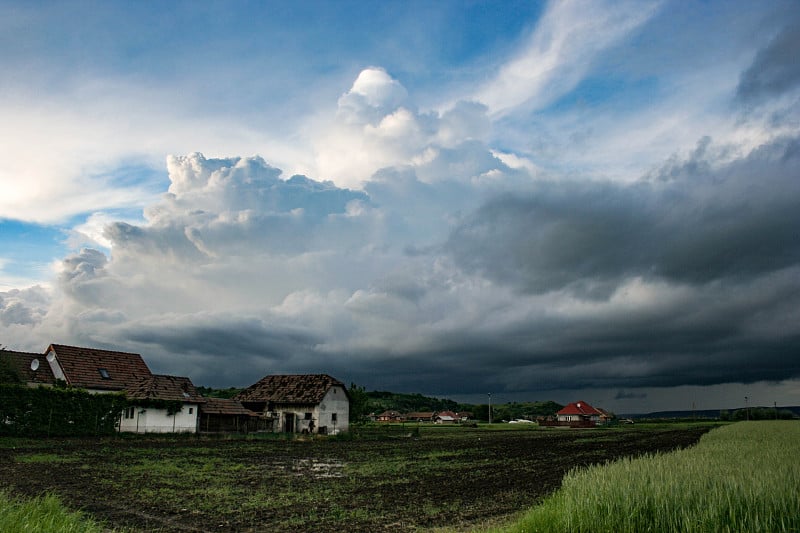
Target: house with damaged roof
x,y
300,403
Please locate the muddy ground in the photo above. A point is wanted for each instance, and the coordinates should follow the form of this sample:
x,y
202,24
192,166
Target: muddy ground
x,y
456,477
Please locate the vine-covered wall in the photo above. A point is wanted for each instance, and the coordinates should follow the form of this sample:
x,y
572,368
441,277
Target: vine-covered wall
x,y
44,411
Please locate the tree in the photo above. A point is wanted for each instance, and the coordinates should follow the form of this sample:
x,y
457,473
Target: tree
x,y
8,373
359,403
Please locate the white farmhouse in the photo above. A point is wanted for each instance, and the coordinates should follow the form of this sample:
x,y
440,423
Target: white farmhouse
x,y
300,403
162,404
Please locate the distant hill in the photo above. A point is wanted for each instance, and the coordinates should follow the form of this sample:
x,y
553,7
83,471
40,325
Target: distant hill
x,y
210,392
698,413
756,413
380,401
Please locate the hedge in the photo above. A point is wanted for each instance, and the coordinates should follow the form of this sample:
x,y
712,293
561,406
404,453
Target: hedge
x,y
43,411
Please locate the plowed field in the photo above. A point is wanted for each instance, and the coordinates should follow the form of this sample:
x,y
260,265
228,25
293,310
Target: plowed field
x,y
453,477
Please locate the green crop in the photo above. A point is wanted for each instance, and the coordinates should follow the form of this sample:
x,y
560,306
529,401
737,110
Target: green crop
x,y
742,477
42,515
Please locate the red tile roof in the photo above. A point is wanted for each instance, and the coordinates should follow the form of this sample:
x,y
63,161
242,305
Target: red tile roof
x,y
20,363
83,367
306,389
158,387
579,408
226,407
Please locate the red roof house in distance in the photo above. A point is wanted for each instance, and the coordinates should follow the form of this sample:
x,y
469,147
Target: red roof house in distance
x,y
446,417
389,416
580,414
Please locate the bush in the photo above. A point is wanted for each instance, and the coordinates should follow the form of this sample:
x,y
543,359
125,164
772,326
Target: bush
x,y
41,411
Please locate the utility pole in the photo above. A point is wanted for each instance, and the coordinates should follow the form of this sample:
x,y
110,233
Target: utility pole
x,y
490,407
746,409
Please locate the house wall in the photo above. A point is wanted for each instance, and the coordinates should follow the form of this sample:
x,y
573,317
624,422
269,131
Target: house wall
x,y
578,418
291,418
333,404
149,420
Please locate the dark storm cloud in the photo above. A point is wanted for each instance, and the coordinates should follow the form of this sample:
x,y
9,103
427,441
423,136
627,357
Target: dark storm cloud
x,y
627,395
711,249
702,339
775,68
225,337
222,347
737,221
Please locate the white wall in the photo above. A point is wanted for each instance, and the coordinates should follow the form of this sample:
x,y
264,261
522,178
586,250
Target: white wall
x,y
335,401
149,420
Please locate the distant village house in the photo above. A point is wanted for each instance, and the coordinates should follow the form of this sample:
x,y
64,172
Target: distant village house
x,y
579,415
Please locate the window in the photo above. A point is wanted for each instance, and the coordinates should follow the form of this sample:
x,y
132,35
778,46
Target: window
x,y
333,417
191,410
308,416
129,412
103,373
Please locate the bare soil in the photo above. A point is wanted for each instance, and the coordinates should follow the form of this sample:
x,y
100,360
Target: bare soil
x,y
456,477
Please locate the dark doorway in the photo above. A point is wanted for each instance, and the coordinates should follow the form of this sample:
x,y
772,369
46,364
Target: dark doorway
x,y
288,423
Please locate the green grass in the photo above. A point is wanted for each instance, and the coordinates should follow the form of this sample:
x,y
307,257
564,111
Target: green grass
x,y
741,477
44,458
45,515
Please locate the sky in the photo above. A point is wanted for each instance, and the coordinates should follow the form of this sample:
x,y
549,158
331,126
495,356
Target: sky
x,y
565,201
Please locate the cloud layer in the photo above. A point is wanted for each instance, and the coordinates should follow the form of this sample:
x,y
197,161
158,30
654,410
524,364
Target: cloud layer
x,y
687,277
539,231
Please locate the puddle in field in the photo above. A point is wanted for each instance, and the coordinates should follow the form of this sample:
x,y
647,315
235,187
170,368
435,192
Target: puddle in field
x,y
316,468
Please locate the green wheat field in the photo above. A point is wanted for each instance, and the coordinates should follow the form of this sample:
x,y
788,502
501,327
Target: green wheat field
x,y
741,477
